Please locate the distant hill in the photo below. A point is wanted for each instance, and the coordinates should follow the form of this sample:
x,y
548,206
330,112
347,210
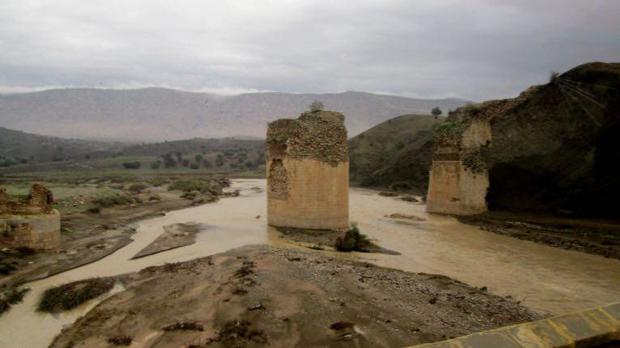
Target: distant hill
x,y
397,151
20,147
156,114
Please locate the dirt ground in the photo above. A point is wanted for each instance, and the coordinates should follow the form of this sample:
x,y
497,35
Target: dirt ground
x,y
282,297
590,236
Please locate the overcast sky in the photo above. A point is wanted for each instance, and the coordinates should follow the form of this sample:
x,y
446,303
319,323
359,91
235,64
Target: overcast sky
x,y
472,49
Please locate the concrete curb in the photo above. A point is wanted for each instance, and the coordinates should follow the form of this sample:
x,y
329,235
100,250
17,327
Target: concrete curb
x,y
588,328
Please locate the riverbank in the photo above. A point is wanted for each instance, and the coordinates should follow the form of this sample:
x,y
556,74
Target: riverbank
x,y
273,296
88,235
588,236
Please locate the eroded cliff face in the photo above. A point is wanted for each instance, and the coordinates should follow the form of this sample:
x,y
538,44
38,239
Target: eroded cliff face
x,y
553,149
308,172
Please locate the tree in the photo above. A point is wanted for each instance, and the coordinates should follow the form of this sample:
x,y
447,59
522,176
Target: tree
x,y
132,165
169,161
553,77
436,111
156,164
316,106
219,161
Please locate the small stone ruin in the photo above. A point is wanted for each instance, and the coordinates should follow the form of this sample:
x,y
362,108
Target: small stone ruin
x,y
308,172
30,222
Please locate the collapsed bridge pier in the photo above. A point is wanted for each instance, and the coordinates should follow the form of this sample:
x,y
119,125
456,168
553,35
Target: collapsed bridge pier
x,y
31,222
308,172
459,178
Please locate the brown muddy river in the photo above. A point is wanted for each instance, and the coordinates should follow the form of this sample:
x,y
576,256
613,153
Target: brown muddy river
x,y
546,279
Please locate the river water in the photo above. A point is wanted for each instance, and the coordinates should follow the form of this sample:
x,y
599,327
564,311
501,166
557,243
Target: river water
x,y
546,279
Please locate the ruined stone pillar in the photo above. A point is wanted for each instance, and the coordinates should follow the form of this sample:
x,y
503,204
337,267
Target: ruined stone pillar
x,y
459,179
308,172
30,223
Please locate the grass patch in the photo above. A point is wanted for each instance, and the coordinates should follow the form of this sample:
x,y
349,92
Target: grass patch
x,y
71,295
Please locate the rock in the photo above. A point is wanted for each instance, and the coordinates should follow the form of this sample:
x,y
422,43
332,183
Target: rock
x,y
405,217
256,307
341,325
409,198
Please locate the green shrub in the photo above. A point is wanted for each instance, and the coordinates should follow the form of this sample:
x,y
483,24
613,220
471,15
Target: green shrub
x,y
132,165
156,164
352,240
190,195
110,200
157,181
11,297
122,340
202,186
94,210
137,188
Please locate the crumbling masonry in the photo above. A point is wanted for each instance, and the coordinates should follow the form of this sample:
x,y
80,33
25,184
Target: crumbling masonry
x,y
308,172
459,179
31,222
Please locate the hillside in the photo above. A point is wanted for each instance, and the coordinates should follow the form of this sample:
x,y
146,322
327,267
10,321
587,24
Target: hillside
x,y
555,147
396,151
25,152
156,114
20,147
193,145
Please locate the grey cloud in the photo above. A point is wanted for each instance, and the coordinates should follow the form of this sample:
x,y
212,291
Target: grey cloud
x,y
473,49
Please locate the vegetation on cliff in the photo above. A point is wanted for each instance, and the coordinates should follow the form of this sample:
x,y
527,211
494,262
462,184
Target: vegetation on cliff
x,y
319,135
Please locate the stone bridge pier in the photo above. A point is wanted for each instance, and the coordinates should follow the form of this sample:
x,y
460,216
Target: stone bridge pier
x,y
31,222
459,179
308,172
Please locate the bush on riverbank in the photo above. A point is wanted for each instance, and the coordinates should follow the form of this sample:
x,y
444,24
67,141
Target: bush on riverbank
x,y
353,240
11,297
71,295
202,186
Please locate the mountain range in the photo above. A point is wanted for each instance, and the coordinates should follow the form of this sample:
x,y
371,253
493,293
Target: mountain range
x,y
156,114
